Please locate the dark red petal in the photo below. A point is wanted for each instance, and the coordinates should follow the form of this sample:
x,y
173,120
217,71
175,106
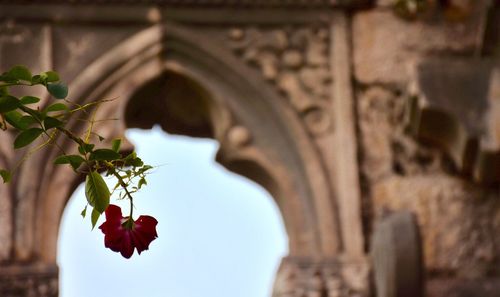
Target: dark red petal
x,y
113,243
124,240
144,232
140,242
127,247
113,213
147,224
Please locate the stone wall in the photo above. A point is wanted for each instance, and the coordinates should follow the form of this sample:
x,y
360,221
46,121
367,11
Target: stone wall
x,y
459,218
313,99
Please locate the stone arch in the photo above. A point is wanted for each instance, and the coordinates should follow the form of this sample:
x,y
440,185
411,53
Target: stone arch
x,y
241,102
278,154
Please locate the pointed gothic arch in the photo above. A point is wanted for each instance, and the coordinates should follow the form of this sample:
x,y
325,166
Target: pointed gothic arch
x,y
261,137
278,154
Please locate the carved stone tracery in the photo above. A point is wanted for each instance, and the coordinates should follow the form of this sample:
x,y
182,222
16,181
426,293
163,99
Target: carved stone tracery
x,y
296,62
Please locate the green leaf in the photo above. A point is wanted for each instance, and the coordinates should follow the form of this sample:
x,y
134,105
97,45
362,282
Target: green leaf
x,y
4,91
52,76
26,137
20,72
5,175
15,119
29,100
84,212
36,114
87,148
115,144
142,182
144,169
36,79
5,77
27,121
58,90
74,160
97,191
95,216
8,103
133,160
104,154
56,107
51,122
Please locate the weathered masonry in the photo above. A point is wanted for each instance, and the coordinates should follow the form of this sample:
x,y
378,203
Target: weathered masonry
x,y
375,129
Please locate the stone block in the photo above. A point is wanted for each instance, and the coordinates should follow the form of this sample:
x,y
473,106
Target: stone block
x,y
458,86
75,47
23,44
385,46
459,221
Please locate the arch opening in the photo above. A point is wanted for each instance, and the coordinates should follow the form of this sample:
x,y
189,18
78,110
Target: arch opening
x,y
227,230
219,233
276,153
175,102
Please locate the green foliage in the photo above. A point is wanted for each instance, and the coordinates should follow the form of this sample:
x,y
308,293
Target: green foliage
x,y
84,212
95,216
74,160
8,103
86,148
104,155
115,144
26,137
55,107
32,122
15,118
20,73
58,90
50,122
50,76
29,100
26,121
97,191
5,175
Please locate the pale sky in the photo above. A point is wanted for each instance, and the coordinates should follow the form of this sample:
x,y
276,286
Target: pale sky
x,y
220,235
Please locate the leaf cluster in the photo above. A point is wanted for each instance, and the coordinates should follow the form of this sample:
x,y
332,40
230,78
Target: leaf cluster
x,y
34,122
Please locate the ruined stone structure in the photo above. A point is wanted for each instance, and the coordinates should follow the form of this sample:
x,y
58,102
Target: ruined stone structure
x,y
307,98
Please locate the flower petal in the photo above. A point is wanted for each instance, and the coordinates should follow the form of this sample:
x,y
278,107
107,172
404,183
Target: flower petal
x,y
127,247
121,239
113,213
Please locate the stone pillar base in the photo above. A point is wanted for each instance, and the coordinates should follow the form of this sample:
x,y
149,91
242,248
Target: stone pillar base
x,y
29,280
304,277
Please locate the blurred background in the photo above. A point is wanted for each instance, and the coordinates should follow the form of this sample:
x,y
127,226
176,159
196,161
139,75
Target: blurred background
x,y
302,148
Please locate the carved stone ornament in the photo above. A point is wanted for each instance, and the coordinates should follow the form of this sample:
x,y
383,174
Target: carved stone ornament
x,y
296,62
298,277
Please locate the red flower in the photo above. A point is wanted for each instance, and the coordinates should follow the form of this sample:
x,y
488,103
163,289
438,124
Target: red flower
x,y
123,235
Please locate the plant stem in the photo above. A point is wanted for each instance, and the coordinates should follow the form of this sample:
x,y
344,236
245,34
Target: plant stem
x,y
71,136
123,185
